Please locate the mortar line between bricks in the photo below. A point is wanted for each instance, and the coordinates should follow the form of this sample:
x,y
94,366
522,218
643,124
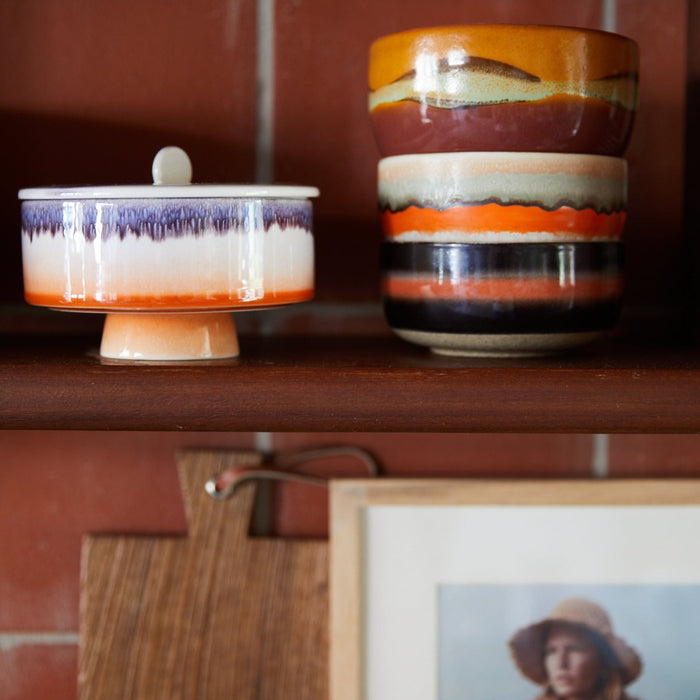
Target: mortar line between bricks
x,y
600,465
12,640
265,73
609,12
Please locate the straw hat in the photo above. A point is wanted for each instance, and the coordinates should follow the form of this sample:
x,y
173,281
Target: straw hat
x,y
527,644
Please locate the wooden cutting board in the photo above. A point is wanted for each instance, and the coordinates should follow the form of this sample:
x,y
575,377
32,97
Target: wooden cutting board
x,y
215,614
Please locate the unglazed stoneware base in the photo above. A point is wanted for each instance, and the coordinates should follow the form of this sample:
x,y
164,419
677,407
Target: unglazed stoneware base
x,y
169,336
497,344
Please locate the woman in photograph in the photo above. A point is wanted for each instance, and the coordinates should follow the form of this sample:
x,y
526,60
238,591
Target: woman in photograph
x,y
574,654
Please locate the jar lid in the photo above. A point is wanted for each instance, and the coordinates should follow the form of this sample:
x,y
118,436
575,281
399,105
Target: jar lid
x,y
172,178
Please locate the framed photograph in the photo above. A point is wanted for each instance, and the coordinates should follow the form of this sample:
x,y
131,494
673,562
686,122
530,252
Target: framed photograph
x,y
446,589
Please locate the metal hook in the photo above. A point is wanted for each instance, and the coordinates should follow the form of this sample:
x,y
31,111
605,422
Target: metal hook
x,y
223,485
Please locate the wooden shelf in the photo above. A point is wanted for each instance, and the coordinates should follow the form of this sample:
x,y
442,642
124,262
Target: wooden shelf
x,y
331,383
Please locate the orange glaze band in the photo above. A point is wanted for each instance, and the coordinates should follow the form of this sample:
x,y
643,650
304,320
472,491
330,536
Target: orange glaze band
x,y
550,53
504,288
514,218
172,302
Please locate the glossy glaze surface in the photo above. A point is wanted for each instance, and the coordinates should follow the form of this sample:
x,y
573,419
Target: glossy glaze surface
x,y
495,299
502,197
167,254
503,87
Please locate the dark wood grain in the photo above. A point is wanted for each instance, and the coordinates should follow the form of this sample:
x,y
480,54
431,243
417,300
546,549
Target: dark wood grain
x,y
334,383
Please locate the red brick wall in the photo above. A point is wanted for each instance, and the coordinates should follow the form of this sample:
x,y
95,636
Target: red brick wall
x,y
90,89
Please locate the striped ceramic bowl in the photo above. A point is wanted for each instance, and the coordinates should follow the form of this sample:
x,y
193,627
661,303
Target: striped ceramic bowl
x,y
505,300
503,88
502,198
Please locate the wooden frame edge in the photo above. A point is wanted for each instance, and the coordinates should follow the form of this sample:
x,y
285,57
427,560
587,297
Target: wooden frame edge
x,y
349,498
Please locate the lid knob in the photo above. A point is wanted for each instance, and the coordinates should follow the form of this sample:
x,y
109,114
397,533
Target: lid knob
x,y
171,166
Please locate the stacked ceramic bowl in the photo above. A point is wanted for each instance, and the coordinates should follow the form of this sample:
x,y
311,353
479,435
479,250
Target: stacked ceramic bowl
x,y
502,187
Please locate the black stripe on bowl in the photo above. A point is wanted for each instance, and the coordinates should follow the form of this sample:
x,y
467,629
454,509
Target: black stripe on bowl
x,y
494,259
446,266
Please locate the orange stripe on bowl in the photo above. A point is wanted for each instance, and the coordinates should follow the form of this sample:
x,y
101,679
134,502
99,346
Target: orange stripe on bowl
x,y
550,53
520,289
512,218
166,302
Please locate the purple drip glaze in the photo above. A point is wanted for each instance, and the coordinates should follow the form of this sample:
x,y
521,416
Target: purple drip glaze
x,y
163,219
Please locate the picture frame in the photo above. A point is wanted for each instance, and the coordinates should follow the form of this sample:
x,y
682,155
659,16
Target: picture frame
x,y
419,567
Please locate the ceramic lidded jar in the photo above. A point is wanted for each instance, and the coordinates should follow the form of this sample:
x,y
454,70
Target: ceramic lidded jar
x,y
168,262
